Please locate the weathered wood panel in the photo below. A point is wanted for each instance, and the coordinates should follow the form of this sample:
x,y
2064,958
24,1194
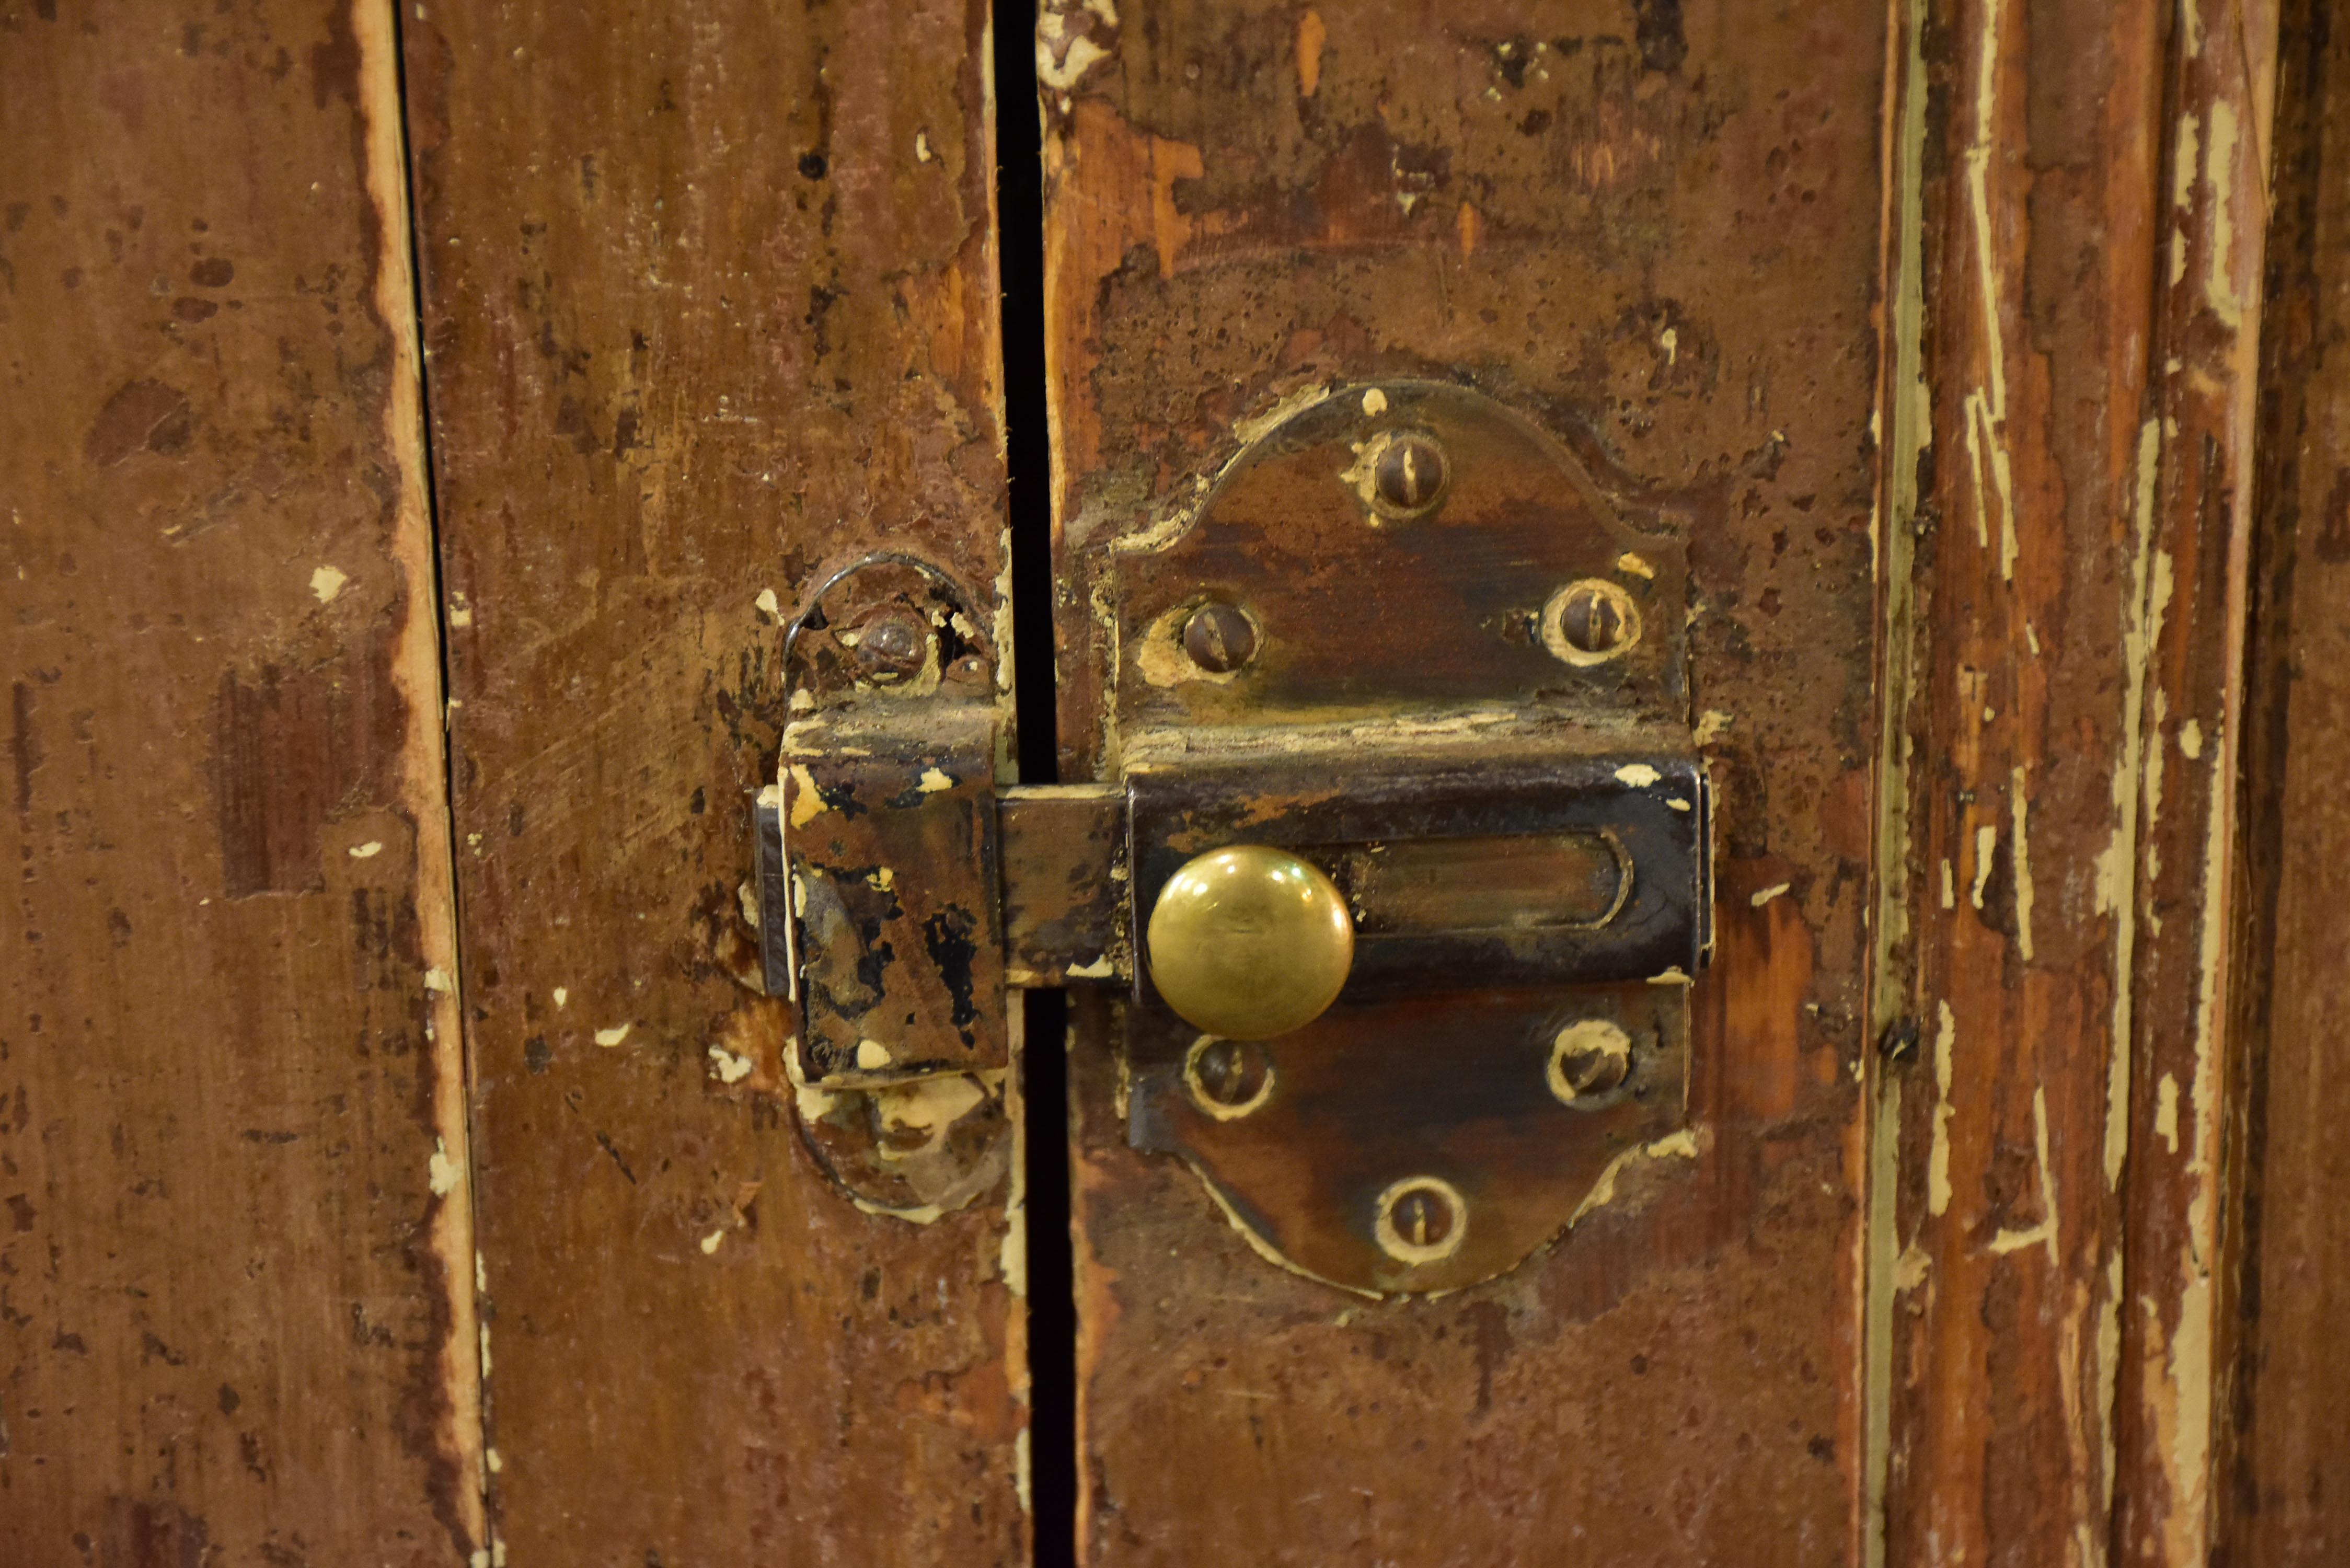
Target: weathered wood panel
x,y
710,310
1656,229
235,1274
2285,1492
2094,217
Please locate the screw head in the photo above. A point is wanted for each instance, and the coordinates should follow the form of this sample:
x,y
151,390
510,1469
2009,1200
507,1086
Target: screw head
x,y
1409,473
1590,622
892,644
1420,1220
1588,1058
1228,1079
1220,637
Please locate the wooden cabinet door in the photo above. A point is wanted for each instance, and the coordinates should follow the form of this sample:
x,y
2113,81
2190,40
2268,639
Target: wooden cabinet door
x,y
422,424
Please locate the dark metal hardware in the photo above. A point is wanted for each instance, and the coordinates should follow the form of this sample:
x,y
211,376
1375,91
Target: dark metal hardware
x,y
1403,637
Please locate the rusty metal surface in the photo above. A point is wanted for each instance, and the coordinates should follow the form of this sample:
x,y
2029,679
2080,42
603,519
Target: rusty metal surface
x,y
1357,607
886,781
1065,868
1456,1088
890,836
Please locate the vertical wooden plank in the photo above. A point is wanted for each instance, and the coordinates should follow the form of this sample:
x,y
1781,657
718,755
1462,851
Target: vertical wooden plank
x,y
710,311
2285,1489
2093,308
1656,229
235,1277
2171,1382
2036,575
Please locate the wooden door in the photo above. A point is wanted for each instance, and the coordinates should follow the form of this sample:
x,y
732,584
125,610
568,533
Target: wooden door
x,y
423,423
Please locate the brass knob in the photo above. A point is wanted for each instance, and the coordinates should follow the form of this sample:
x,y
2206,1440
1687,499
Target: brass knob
x,y
1249,943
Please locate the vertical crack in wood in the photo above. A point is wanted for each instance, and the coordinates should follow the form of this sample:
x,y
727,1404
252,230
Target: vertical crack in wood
x,y
417,673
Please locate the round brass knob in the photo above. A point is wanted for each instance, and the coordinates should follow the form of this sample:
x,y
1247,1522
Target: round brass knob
x,y
1249,943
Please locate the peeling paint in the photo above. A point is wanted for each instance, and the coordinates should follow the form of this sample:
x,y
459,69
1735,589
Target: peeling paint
x,y
1937,1157
2045,1233
325,583
440,1171
1767,894
613,1036
2116,864
2019,809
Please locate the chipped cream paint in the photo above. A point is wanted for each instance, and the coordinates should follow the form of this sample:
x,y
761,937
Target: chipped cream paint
x,y
1639,775
2166,1112
767,605
442,1173
1767,894
2019,811
562,998
1636,565
729,1067
1986,407
872,1056
2180,1397
807,801
1712,726
436,979
1063,58
614,1036
367,851
2044,1233
1681,1145
2219,280
933,780
1375,401
709,1243
1950,884
1986,847
2190,740
1937,1157
325,583
2142,613
1100,969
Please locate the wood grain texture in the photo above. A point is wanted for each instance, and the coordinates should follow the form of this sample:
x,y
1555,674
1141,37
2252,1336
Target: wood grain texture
x,y
710,310
2284,1493
2095,216
1653,229
2177,1335
235,1278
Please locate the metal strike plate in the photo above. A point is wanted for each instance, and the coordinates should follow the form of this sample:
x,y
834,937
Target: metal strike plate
x,y
880,911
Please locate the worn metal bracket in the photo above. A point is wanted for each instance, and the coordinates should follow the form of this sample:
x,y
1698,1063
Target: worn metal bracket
x,y
1403,637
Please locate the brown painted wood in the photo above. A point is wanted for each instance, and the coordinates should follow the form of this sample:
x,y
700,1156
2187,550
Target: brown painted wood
x,y
1655,229
2285,1490
235,1271
2093,218
709,307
